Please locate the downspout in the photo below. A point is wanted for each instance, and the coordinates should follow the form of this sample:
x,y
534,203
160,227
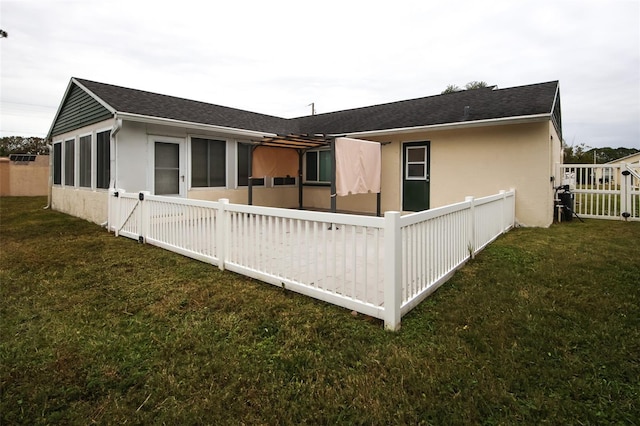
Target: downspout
x,y
50,186
112,154
114,131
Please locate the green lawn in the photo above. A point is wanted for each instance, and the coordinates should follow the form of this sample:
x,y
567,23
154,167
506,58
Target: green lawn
x,y
542,327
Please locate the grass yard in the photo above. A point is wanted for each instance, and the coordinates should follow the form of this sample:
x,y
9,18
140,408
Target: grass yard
x,y
542,327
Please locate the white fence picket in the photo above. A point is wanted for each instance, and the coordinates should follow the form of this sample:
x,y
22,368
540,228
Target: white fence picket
x,y
381,267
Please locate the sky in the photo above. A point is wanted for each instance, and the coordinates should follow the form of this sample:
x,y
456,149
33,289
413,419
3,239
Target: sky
x,y
277,57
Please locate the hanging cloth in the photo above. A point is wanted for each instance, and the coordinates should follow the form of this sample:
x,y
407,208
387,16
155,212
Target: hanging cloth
x,y
274,162
358,166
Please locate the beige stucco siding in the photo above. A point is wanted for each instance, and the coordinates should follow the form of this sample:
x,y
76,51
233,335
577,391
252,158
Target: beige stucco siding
x,y
481,161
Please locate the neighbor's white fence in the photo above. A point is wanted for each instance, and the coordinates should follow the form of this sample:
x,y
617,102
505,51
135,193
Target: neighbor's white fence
x,y
381,267
604,191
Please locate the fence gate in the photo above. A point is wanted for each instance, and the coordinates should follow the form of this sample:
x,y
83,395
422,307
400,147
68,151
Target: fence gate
x,y
604,191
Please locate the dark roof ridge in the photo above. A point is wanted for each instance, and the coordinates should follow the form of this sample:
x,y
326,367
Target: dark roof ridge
x,y
147,92
493,88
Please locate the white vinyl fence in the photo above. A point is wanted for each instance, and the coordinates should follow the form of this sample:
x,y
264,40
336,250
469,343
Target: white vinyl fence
x,y
603,191
379,266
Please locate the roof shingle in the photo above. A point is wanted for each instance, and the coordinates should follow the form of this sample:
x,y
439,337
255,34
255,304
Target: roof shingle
x,y
464,106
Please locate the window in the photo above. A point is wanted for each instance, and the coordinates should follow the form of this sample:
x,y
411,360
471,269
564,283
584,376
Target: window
x,y
208,163
243,166
103,159
416,167
57,163
318,166
69,163
85,161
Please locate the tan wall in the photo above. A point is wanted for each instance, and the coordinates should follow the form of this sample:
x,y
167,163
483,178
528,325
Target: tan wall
x,y
286,197
83,203
481,161
24,179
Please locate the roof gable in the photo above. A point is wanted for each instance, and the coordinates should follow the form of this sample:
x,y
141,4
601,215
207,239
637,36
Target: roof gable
x,y
78,109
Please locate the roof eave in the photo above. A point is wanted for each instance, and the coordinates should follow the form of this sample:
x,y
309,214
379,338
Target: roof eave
x,y
457,125
192,125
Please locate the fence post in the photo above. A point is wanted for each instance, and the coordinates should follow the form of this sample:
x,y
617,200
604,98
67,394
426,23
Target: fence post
x,y
512,208
118,211
472,226
392,270
503,207
625,191
143,216
221,232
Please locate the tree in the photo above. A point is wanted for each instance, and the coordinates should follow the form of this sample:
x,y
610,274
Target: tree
x,y
581,155
452,88
22,145
475,85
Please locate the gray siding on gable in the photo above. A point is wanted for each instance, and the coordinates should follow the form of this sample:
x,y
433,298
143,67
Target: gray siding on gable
x,y
78,110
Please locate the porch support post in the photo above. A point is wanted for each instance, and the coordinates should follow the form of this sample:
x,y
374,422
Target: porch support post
x,y
300,195
250,177
333,175
392,271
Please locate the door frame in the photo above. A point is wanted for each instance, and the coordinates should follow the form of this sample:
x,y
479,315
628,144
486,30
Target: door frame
x,y
182,162
403,170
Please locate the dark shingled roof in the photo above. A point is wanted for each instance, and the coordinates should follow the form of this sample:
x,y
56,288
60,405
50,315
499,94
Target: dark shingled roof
x,y
464,106
479,104
155,105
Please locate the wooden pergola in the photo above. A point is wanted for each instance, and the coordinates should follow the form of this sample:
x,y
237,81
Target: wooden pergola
x,y
301,143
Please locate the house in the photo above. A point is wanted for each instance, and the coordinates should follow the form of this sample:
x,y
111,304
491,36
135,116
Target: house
x,y
614,174
435,150
24,175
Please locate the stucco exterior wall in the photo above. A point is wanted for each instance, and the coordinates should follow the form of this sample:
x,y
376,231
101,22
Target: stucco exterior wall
x,y
481,161
82,203
28,179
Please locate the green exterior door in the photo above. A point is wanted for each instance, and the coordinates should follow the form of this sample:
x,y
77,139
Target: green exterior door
x,y
415,176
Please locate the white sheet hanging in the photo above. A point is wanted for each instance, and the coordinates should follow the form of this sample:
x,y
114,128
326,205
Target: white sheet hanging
x,y
358,166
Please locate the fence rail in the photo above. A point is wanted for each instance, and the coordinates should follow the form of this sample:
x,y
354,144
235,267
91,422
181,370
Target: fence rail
x,y
379,266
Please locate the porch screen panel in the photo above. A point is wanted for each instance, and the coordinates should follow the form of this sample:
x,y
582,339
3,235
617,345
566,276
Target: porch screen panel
x,y
57,163
85,162
69,164
103,156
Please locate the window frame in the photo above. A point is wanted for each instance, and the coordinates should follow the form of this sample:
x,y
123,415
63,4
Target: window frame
x,y
317,182
96,159
57,164
70,142
408,163
225,162
79,160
